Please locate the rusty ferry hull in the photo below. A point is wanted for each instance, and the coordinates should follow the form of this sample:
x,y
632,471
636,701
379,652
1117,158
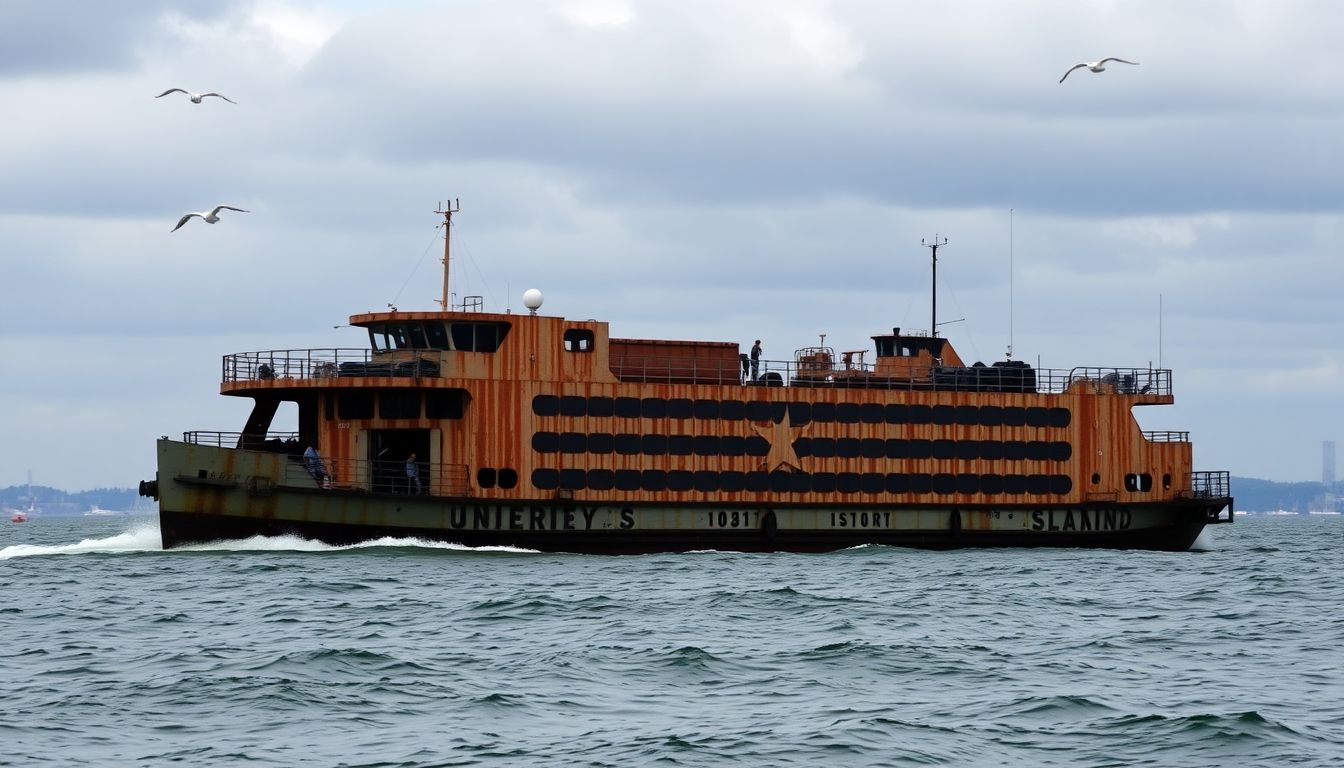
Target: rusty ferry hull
x,y
542,432
211,493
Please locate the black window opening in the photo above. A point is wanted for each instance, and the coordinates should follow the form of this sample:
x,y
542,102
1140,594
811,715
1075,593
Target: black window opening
x,y
800,413
1138,482
785,482
354,405
445,403
578,340
436,334
399,404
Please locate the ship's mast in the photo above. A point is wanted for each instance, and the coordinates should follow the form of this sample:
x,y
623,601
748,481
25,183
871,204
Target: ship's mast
x,y
934,246
446,210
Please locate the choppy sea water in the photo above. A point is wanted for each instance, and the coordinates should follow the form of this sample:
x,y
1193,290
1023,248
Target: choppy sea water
x,y
398,653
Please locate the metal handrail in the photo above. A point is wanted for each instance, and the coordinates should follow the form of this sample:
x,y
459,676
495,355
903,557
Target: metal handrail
x,y
325,364
334,363
1166,436
439,479
1210,484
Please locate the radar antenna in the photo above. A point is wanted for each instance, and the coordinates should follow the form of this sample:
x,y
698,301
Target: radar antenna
x,y
934,246
446,210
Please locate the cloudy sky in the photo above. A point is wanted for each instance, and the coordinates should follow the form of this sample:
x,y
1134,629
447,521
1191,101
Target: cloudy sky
x,y
689,169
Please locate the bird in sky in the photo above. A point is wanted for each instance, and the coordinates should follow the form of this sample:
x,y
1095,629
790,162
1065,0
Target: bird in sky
x,y
1097,66
210,217
195,97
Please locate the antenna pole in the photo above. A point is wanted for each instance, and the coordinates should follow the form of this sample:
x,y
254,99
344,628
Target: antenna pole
x,y
934,246
1010,283
446,210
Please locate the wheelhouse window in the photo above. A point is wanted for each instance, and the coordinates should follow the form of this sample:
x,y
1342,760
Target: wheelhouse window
x,y
462,336
578,340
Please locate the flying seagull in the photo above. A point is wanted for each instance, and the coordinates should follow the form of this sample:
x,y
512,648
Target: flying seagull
x,y
210,218
1096,66
195,97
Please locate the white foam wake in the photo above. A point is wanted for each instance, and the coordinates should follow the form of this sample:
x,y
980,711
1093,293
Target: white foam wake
x,y
145,537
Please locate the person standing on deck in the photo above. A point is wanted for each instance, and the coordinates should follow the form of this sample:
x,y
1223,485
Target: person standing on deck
x,y
413,476
313,462
755,359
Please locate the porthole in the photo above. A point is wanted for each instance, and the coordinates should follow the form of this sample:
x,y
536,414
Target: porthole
x,y
944,415
824,412
1015,484
653,408
919,449
573,406
823,447
706,445
706,481
546,405
680,480
897,483
653,480
847,482
991,484
601,442
545,442
679,408
873,448
573,442
601,479
732,445
486,477
627,444
944,483
780,481
626,408
847,448
757,446
758,482
919,414
1038,484
968,483
847,413
545,479
1038,417
627,480
1014,417
823,482
944,449
600,406
872,482
920,482
573,479
732,481
968,415
1060,417
896,413
680,445
1096,478
799,413
872,413
732,410
654,445
508,477
706,409
991,416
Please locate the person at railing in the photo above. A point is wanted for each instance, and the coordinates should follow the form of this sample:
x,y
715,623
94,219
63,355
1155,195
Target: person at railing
x,y
413,484
755,359
316,467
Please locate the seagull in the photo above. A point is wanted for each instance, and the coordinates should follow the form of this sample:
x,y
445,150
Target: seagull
x,y
1096,66
195,97
210,218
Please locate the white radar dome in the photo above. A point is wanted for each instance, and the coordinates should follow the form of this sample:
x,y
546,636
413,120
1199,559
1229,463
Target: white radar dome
x,y
532,300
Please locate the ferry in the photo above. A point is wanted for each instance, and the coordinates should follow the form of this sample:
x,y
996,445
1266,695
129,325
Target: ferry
x,y
546,433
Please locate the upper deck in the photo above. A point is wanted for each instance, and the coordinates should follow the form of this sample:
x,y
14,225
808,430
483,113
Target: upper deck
x,y
443,349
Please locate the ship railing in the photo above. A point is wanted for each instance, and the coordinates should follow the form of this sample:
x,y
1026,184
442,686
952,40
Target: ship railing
x,y
1210,484
1123,381
275,442
387,477
1166,436
322,364
1216,487
811,373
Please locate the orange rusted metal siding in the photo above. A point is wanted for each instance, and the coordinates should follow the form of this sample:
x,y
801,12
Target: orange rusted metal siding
x,y
498,423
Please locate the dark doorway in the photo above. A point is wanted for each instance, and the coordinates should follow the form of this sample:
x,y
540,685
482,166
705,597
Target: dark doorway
x,y
389,454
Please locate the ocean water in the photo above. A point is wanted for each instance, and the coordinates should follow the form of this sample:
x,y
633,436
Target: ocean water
x,y
397,653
